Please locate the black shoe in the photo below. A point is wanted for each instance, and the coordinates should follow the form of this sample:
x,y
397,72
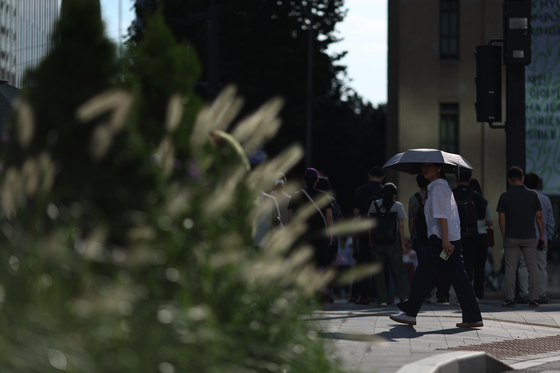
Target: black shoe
x,y
523,300
509,303
352,300
543,300
533,303
362,301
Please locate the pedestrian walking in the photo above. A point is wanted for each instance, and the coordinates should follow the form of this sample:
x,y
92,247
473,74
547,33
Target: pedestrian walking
x,y
532,182
389,247
471,209
319,224
416,220
481,254
518,209
444,254
267,219
363,197
323,184
282,197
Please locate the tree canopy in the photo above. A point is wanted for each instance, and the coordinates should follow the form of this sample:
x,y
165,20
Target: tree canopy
x,y
263,49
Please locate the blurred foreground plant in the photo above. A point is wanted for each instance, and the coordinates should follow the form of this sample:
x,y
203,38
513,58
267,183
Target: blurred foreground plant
x,y
126,230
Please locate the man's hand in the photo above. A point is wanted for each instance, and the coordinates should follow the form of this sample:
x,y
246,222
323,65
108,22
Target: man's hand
x,y
448,247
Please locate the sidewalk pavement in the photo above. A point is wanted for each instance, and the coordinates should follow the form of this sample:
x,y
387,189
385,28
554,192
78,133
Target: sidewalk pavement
x,y
366,340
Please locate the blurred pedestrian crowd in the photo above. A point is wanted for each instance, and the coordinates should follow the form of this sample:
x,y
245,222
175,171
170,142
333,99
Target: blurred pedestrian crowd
x,y
525,219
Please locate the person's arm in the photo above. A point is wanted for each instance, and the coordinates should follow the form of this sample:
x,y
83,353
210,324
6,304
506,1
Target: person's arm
x,y
447,246
502,222
540,224
401,234
549,224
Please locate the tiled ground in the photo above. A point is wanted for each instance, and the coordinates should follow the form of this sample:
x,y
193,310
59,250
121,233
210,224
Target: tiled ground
x,y
366,340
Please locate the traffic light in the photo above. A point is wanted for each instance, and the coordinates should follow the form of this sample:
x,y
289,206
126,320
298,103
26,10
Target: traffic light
x,y
488,83
517,32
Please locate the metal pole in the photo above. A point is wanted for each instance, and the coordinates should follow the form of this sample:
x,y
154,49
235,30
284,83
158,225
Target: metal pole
x,y
515,116
309,123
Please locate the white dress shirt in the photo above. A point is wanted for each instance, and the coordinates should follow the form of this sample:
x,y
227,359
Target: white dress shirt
x,y
441,205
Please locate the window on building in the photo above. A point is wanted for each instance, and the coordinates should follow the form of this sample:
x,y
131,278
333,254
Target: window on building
x,y
449,127
449,29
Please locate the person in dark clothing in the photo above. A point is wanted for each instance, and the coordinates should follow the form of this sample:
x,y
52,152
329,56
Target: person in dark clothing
x,y
319,224
481,256
518,209
464,192
419,239
363,198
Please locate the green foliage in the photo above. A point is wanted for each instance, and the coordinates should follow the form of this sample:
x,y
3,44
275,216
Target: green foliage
x,y
115,256
263,49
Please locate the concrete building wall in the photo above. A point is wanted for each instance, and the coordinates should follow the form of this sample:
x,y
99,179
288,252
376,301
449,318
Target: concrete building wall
x,y
419,81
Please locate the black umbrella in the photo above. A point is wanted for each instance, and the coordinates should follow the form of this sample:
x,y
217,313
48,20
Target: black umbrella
x,y
8,94
411,161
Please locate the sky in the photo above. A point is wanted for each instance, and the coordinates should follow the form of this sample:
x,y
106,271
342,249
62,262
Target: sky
x,y
364,34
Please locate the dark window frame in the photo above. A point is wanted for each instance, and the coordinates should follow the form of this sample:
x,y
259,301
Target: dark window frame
x,y
449,28
449,127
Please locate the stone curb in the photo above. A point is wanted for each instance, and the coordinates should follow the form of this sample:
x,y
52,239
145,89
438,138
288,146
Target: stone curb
x,y
456,362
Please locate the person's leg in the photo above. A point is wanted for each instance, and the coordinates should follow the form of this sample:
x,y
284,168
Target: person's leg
x,y
480,259
469,252
426,275
511,257
379,256
462,285
542,264
442,288
420,246
365,256
398,270
529,249
522,277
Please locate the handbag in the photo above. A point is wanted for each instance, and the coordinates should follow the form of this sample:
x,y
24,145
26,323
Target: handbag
x,y
490,237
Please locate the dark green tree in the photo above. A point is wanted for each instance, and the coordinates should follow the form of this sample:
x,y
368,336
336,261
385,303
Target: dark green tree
x,y
118,258
263,49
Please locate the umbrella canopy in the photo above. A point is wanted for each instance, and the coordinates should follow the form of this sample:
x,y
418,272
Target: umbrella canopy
x,y
411,161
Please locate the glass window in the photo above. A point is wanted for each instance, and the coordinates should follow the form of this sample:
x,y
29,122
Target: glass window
x,y
449,29
449,127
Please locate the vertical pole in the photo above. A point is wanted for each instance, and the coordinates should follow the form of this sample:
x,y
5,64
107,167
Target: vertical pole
x,y
309,122
515,116
213,51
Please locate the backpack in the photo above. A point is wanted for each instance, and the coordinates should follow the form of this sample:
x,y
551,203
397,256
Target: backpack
x,y
467,215
420,225
385,231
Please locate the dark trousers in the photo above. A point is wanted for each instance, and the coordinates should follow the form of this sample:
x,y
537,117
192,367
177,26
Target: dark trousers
x,y
469,254
427,274
480,258
360,289
420,245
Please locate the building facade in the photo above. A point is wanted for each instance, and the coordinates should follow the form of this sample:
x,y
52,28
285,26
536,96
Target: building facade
x,y
25,31
8,40
432,91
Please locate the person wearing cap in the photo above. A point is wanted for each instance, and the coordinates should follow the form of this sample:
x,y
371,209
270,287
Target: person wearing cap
x,y
319,224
